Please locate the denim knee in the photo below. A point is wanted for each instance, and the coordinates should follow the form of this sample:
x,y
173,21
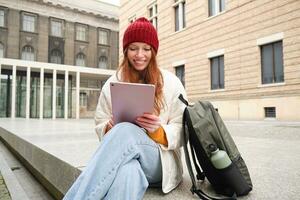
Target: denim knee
x,y
126,131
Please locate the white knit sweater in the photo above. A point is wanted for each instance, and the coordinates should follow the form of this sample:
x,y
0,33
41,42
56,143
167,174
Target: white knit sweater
x,y
171,119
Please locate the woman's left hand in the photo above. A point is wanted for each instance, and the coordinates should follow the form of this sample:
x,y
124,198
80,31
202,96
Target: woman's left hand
x,y
149,121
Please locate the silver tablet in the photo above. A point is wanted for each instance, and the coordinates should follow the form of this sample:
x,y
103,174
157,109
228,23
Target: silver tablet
x,y
131,100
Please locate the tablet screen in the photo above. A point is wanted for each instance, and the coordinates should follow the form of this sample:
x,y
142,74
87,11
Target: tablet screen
x,y
131,100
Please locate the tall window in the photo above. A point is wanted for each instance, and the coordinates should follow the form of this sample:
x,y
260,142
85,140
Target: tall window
x,y
179,7
81,32
56,56
28,22
1,52
132,19
153,14
272,63
56,27
217,72
83,99
80,59
180,73
103,62
215,6
2,18
27,53
103,37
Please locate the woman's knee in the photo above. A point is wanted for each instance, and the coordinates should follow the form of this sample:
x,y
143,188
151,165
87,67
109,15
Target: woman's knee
x,y
125,130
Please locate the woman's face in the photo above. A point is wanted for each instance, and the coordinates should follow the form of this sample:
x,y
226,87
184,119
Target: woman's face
x,y
139,55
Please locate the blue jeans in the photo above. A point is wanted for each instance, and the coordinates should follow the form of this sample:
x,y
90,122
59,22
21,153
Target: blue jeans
x,y
123,166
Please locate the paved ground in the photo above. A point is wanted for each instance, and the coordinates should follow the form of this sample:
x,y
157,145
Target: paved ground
x,y
270,149
31,189
4,194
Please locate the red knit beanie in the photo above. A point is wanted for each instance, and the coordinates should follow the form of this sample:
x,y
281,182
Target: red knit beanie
x,y
141,30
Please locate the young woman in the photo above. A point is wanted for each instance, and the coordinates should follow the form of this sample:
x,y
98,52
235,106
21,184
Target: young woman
x,y
133,156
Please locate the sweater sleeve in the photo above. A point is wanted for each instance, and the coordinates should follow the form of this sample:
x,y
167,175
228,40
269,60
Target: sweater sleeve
x,y
103,112
173,128
159,136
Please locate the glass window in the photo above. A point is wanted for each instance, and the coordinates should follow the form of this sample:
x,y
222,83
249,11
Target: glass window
x,y
28,22
2,24
1,50
132,19
21,82
56,28
80,59
103,37
179,8
83,99
28,53
217,72
81,32
153,14
103,62
215,6
272,63
270,112
180,73
56,56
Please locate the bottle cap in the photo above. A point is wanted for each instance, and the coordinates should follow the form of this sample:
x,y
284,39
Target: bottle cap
x,y
212,148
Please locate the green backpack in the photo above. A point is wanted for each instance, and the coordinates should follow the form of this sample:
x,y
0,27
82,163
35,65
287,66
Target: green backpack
x,y
204,128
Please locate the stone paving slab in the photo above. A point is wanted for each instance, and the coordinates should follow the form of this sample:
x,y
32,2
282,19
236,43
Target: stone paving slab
x,y
4,194
270,149
10,187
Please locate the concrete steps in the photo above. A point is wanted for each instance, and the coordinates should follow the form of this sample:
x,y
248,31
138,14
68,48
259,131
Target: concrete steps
x,y
55,152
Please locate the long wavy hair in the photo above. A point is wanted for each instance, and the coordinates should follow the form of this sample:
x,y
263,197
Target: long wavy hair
x,y
151,75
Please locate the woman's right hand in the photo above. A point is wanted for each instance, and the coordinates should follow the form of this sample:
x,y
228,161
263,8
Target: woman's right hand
x,y
109,125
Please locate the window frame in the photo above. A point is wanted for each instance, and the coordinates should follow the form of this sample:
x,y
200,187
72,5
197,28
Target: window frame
x,y
220,84
83,99
4,9
132,18
56,20
81,58
180,5
218,7
182,77
26,53
273,67
60,53
34,16
3,50
99,66
152,12
86,30
107,34
270,112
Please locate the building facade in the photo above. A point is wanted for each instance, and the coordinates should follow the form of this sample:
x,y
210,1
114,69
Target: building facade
x,y
65,33
242,55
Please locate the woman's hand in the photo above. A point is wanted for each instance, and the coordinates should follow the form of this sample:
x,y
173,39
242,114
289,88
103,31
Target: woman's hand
x,y
109,125
149,121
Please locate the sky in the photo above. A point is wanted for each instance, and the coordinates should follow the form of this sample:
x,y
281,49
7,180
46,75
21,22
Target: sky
x,y
115,2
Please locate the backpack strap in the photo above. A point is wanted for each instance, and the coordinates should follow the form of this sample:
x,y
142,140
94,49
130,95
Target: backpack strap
x,y
186,120
181,98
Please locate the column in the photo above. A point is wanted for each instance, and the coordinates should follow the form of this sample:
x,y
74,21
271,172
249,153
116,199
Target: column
x,y
13,95
42,93
0,78
54,95
77,94
27,110
66,93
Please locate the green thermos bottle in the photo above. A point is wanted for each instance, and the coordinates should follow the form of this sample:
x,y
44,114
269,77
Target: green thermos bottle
x,y
219,158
